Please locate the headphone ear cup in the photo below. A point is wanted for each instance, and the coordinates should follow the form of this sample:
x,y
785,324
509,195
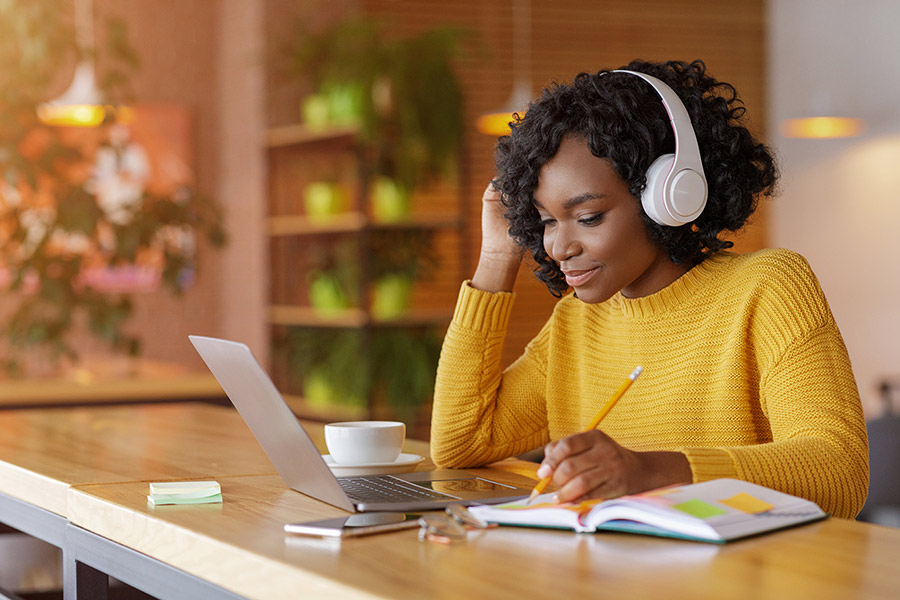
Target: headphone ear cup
x,y
653,198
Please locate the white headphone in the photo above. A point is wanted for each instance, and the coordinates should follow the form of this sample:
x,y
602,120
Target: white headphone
x,y
676,185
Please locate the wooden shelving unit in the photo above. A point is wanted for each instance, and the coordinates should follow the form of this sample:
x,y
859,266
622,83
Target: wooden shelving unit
x,y
298,155
305,316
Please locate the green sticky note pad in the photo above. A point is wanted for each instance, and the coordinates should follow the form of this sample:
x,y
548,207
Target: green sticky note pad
x,y
699,508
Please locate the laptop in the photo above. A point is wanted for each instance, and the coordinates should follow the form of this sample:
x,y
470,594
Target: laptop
x,y
303,469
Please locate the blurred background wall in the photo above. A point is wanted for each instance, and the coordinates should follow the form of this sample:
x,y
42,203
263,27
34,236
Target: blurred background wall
x,y
221,59
839,204
840,200
224,59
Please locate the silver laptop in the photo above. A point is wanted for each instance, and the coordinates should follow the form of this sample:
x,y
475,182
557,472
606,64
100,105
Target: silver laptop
x,y
301,466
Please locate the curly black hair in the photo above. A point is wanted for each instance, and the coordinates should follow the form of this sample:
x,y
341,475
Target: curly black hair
x,y
624,121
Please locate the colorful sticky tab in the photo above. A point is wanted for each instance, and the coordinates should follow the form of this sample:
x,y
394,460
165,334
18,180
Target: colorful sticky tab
x,y
744,502
698,508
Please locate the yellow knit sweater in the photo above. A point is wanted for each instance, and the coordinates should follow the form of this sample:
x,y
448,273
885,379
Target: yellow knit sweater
x,y
745,372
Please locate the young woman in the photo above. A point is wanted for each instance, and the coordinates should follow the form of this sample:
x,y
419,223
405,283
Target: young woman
x,y
745,371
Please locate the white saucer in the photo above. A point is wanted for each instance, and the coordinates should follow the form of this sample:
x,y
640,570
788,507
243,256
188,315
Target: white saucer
x,y
403,464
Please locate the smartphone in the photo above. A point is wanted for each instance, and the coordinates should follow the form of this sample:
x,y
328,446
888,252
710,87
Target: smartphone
x,y
355,525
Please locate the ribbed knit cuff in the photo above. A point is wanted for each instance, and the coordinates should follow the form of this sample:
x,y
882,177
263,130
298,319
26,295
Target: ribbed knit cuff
x,y
482,311
709,463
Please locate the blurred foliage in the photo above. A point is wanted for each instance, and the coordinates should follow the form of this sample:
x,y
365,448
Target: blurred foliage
x,y
33,37
397,366
407,252
408,97
339,261
53,225
403,94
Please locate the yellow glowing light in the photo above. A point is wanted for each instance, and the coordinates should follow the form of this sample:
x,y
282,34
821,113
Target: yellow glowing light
x,y
81,105
822,127
496,124
72,115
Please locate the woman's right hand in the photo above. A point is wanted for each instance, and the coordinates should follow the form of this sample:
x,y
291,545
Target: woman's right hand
x,y
498,263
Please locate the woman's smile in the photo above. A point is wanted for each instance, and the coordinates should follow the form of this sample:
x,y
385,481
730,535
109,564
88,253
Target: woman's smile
x,y
577,278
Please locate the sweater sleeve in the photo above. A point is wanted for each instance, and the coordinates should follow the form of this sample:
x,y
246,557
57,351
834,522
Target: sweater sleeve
x,y
819,448
481,414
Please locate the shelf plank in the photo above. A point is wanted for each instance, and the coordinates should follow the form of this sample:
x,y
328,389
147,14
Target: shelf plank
x,y
303,225
352,222
419,222
305,316
303,409
298,134
416,318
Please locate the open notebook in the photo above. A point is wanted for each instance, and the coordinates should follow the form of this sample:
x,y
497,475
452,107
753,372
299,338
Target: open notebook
x,y
714,511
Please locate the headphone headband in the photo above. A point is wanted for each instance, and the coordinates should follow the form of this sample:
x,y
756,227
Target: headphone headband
x,y
676,185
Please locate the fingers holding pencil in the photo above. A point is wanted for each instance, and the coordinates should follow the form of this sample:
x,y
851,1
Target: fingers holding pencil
x,y
590,465
546,471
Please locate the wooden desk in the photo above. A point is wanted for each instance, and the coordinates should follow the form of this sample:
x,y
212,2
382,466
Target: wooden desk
x,y
240,547
100,460
44,452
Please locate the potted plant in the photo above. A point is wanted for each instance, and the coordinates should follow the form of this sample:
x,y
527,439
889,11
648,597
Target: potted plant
x,y
398,259
66,221
402,92
372,370
403,97
332,365
334,279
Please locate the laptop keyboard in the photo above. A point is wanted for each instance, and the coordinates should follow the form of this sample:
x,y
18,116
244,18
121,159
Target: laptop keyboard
x,y
377,488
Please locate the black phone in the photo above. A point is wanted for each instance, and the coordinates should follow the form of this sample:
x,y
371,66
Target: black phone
x,y
355,525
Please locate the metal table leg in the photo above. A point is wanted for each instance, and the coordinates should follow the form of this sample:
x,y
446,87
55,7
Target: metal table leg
x,y
88,560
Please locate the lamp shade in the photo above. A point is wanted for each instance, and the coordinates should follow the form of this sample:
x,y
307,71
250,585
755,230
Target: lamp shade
x,y
497,123
80,105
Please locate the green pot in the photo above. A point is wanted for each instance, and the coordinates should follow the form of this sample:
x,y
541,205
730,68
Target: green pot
x,y
317,391
327,295
391,296
390,200
323,200
316,110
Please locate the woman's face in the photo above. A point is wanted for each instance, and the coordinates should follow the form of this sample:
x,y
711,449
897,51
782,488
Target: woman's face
x,y
593,228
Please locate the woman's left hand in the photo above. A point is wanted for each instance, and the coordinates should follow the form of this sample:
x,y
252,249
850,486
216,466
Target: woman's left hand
x,y
593,465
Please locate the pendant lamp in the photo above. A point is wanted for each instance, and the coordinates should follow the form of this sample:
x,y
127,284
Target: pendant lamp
x,y
497,123
81,105
828,113
822,127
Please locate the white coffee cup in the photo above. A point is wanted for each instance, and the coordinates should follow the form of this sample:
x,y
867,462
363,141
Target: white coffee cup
x,y
364,442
